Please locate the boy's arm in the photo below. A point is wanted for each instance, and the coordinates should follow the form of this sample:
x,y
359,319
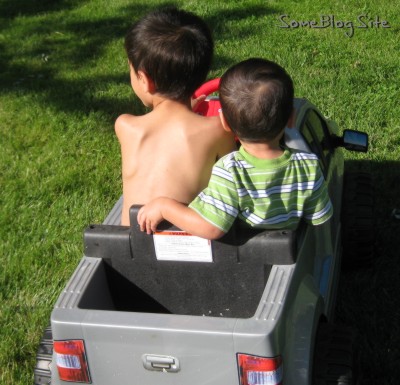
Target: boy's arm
x,y
125,131
318,209
151,214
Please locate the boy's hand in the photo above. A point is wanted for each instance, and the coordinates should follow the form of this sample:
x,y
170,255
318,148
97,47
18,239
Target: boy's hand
x,y
150,216
180,215
195,102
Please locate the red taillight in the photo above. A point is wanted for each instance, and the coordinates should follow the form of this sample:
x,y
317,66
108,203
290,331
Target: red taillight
x,y
71,361
254,370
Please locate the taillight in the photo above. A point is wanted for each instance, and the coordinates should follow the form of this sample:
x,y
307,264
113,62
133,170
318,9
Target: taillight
x,y
71,361
254,370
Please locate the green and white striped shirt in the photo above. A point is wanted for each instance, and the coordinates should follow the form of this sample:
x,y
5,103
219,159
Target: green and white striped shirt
x,y
265,193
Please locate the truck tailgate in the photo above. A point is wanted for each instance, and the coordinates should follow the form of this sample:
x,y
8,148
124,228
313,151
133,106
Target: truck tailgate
x,y
159,349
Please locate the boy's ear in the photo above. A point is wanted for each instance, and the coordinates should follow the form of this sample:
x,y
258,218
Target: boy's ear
x,y
146,82
292,119
224,123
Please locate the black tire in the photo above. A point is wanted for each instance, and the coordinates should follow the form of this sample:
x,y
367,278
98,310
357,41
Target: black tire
x,y
357,221
334,362
44,357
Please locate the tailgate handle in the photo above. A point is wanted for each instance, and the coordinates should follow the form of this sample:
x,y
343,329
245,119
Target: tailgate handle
x,y
160,363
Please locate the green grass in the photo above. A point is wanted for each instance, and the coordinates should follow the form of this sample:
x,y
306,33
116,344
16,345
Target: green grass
x,y
64,80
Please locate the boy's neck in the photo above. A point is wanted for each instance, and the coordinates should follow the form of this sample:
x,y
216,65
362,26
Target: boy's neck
x,y
159,101
264,150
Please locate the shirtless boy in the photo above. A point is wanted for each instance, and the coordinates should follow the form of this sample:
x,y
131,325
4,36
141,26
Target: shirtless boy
x,y
169,151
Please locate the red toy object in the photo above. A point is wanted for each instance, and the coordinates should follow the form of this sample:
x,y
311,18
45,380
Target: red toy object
x,y
210,106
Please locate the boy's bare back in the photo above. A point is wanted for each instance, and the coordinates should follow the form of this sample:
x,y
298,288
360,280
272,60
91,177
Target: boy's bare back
x,y
168,152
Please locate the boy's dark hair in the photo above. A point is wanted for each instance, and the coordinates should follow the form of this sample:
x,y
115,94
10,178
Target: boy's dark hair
x,y
257,99
174,48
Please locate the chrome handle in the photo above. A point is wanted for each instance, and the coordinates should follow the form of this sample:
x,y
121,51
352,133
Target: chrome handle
x,y
160,363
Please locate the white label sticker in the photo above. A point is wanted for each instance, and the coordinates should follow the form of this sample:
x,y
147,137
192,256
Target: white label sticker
x,y
181,246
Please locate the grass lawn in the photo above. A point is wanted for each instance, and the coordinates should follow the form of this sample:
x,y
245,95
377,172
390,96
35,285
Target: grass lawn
x,y
64,80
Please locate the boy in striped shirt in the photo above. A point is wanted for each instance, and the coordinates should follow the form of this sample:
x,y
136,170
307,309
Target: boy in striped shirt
x,y
263,184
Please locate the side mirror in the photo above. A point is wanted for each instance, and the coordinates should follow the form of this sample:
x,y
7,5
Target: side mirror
x,y
355,140
351,140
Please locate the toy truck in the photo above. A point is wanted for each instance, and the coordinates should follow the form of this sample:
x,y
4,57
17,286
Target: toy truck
x,y
252,308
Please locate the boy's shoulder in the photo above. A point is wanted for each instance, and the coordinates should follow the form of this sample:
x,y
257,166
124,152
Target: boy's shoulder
x,y
301,155
238,160
128,124
231,160
163,114
187,121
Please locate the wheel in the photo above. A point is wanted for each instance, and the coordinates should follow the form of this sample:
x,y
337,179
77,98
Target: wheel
x,y
357,220
44,357
334,356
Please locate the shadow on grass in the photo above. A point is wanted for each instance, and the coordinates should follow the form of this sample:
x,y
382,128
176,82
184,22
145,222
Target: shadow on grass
x,y
60,44
63,43
369,299
11,9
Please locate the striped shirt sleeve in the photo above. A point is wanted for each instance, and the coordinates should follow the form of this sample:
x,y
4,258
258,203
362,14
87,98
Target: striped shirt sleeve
x,y
318,207
218,202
